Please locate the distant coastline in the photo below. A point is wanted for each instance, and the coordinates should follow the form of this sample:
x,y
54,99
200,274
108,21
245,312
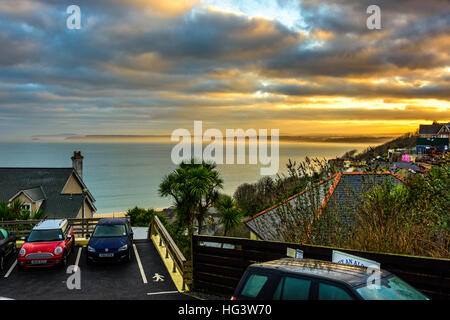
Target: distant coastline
x,y
165,138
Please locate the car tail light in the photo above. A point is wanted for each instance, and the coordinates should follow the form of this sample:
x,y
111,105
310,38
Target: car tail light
x,y
233,298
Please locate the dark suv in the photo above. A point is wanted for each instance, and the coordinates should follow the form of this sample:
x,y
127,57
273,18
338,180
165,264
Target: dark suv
x,y
307,279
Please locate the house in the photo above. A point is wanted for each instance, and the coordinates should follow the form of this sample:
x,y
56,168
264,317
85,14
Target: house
x,y
405,169
435,130
59,192
342,192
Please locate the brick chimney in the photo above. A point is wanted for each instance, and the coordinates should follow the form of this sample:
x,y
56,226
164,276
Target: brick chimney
x,y
77,163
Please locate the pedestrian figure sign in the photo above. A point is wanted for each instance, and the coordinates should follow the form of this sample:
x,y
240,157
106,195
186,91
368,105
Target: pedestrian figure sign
x,y
158,277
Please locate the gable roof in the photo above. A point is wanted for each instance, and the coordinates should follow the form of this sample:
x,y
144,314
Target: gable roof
x,y
34,194
50,181
430,128
344,190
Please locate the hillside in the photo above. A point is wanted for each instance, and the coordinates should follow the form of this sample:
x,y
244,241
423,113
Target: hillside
x,y
406,141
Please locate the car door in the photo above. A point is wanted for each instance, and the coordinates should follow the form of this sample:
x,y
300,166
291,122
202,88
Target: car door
x,y
129,232
3,244
11,242
293,287
329,290
7,242
68,238
256,284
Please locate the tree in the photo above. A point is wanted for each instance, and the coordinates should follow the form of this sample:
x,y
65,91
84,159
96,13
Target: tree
x,y
194,188
230,215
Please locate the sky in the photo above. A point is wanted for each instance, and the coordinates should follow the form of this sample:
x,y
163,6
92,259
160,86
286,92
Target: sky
x,y
305,67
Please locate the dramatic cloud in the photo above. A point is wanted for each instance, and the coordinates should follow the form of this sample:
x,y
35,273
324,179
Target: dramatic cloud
x,y
149,67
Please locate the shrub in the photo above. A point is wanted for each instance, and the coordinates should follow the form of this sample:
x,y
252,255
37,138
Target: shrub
x,y
140,217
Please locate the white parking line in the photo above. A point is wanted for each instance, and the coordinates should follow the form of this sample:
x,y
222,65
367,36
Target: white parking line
x,y
144,278
77,261
162,292
11,269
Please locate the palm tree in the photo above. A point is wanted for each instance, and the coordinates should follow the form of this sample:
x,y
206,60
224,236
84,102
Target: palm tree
x,y
211,194
193,187
230,215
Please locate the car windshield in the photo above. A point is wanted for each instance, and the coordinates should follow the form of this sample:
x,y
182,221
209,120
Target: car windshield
x,y
392,288
109,230
45,235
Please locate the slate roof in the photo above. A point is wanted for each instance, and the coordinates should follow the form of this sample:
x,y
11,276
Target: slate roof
x,y
35,193
342,190
51,181
404,165
429,128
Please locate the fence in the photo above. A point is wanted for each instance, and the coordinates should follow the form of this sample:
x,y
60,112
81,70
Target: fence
x,y
219,262
179,261
23,227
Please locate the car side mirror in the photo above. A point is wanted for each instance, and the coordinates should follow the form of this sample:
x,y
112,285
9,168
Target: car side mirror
x,y
88,235
131,234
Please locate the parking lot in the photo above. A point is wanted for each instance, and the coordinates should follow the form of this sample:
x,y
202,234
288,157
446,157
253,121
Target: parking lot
x,y
143,278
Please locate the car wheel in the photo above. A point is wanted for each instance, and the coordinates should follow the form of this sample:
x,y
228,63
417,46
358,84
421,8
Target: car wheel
x,y
128,257
64,259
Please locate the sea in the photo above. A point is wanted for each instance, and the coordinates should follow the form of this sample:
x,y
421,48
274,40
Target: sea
x,y
123,175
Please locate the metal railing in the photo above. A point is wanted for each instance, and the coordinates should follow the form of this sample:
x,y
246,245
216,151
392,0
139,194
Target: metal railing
x,y
179,261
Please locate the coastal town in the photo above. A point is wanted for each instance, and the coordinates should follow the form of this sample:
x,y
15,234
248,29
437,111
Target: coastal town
x,y
217,158
350,202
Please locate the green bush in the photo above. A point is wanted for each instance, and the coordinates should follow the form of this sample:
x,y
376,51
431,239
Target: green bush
x,y
140,217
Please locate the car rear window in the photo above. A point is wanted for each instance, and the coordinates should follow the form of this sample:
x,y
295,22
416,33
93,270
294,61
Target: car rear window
x,y
291,288
253,286
331,292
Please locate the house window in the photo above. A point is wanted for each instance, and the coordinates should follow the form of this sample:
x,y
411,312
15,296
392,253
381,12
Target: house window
x,y
27,206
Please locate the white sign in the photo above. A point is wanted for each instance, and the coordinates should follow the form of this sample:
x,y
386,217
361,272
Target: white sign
x,y
345,258
294,253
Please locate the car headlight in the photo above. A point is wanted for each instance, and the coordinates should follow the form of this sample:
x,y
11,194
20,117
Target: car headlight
x,y
58,251
22,252
123,248
90,249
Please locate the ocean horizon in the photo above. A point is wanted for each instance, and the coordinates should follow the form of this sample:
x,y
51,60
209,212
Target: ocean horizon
x,y
124,175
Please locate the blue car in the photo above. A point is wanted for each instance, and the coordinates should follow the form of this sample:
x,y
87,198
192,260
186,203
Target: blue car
x,y
111,241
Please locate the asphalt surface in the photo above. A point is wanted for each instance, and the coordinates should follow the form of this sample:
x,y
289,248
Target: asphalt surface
x,y
121,281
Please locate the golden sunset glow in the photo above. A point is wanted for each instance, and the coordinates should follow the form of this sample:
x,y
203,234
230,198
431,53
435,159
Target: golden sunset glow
x,y
148,67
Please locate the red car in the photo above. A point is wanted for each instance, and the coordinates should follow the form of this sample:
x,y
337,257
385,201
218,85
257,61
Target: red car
x,y
49,243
